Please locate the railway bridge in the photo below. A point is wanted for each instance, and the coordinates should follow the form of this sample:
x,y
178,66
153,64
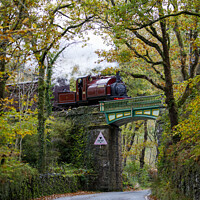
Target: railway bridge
x,y
119,112
104,134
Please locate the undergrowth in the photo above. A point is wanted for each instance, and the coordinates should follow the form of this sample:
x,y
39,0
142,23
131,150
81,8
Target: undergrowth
x,y
134,177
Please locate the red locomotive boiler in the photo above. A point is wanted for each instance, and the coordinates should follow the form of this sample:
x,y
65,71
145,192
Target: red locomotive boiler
x,y
91,89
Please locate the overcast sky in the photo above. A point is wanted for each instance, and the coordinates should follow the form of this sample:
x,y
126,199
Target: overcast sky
x,y
84,57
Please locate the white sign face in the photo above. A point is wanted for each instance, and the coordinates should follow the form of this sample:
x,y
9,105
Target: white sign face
x,y
100,140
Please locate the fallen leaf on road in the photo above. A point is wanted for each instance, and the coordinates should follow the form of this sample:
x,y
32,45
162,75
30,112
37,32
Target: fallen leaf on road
x,y
55,196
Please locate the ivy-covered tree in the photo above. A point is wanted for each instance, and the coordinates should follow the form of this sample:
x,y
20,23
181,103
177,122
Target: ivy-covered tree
x,y
59,19
35,28
158,33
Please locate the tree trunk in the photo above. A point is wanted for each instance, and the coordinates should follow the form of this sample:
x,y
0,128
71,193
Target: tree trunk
x,y
129,145
48,92
142,155
2,88
3,76
41,119
169,93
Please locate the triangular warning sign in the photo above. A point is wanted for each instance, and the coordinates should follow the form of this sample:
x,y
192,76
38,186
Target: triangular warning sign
x,y
100,140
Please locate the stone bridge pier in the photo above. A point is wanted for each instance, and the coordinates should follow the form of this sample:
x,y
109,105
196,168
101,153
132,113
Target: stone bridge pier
x,y
107,158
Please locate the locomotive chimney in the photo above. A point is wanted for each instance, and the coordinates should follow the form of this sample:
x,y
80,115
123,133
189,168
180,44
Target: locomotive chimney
x,y
118,78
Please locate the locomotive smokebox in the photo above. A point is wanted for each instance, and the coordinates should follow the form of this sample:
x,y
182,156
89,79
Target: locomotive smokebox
x,y
118,88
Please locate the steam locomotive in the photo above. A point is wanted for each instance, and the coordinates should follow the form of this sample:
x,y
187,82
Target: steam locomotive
x,y
90,90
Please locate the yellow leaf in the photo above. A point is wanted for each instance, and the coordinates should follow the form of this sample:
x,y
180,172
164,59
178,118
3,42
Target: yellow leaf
x,y
25,20
34,25
11,39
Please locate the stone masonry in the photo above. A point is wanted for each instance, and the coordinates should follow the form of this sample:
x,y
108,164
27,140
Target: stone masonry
x,y
107,158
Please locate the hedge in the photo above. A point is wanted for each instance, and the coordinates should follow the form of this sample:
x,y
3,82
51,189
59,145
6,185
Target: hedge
x,y
43,185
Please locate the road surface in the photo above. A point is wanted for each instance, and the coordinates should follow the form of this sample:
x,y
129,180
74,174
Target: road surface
x,y
130,195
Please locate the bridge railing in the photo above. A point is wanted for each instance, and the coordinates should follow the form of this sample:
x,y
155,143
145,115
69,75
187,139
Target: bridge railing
x,y
136,102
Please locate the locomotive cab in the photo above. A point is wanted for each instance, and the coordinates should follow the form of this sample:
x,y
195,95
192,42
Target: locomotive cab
x,y
81,89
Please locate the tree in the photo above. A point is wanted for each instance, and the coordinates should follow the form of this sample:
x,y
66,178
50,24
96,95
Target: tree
x,y
129,139
142,154
13,29
152,33
34,28
13,55
15,124
44,39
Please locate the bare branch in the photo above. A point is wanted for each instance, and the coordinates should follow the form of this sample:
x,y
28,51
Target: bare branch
x,y
20,17
182,52
158,72
184,97
196,53
146,58
142,76
64,14
61,7
61,35
76,26
58,26
154,33
137,127
149,43
52,61
194,63
166,16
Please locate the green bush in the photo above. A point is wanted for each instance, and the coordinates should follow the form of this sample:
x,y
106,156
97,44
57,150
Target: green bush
x,y
163,189
42,185
65,143
20,181
30,149
134,177
177,181
13,178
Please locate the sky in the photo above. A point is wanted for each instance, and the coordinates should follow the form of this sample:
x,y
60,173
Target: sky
x,y
84,57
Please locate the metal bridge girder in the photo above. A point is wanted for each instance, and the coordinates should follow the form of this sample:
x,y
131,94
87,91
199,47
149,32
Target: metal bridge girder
x,y
120,112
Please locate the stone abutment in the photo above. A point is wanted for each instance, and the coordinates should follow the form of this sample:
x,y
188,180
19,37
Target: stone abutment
x,y
107,158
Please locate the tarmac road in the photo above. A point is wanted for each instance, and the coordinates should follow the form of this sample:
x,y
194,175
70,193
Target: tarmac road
x,y
130,195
